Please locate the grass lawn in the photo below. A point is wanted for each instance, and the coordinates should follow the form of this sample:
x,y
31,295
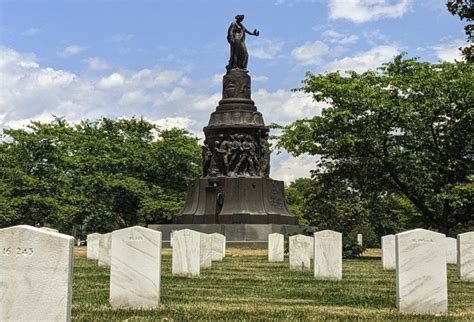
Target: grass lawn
x,y
246,286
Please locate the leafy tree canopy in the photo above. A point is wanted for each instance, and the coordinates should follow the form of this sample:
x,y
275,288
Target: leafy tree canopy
x,y
402,133
103,175
464,9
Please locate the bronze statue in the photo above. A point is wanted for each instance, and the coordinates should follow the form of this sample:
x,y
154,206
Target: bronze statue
x,y
236,38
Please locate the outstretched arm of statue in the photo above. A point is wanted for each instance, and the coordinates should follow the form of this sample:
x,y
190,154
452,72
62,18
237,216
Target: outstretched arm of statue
x,y
254,33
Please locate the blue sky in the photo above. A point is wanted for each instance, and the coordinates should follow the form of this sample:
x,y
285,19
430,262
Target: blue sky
x,y
164,59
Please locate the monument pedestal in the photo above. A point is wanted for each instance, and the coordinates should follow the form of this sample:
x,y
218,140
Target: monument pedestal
x,y
235,200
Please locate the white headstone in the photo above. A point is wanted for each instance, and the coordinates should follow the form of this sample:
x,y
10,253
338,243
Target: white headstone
x,y
276,247
328,255
105,246
360,239
300,247
311,248
421,272
35,274
50,229
388,252
451,250
171,238
186,253
466,256
206,251
218,246
135,268
93,246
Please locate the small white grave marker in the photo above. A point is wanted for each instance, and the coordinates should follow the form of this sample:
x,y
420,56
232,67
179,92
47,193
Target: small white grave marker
x,y
206,251
276,247
388,252
186,253
218,246
105,246
451,250
466,256
421,272
328,255
93,246
300,247
135,268
360,239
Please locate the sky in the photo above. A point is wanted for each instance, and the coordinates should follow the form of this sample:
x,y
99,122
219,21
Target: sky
x,y
164,60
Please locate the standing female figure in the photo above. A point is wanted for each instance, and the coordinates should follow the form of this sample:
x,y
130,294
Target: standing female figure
x,y
236,37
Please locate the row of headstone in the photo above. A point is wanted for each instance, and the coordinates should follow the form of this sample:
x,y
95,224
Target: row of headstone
x,y
99,248
325,248
459,251
46,258
193,250
419,257
134,255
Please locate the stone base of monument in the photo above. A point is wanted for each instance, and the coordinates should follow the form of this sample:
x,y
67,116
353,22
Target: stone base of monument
x,y
237,235
237,200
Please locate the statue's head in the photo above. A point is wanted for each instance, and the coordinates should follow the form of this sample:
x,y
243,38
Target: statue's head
x,y
239,18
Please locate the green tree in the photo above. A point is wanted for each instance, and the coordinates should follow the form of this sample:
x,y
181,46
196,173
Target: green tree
x,y
405,130
106,174
296,195
464,9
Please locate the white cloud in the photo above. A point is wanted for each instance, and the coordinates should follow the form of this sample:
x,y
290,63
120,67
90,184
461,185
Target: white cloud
x,y
113,80
336,37
364,61
30,91
359,11
265,48
217,78
179,121
283,107
449,51
71,50
134,98
206,102
96,63
287,168
310,53
150,78
375,37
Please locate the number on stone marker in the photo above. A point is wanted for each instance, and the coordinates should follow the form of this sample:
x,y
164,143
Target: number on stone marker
x,y
24,251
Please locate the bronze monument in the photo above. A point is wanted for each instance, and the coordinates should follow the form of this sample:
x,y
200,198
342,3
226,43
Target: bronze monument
x,y
236,188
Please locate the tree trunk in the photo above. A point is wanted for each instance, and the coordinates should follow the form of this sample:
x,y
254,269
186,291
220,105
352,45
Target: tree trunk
x,y
444,225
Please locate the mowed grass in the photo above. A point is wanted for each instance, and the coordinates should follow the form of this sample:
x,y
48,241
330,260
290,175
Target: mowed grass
x,y
245,286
